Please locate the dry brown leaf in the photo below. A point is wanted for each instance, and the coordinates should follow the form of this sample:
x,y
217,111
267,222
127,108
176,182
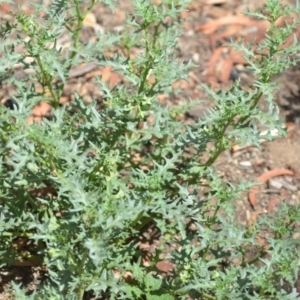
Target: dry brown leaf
x,y
214,25
263,179
40,111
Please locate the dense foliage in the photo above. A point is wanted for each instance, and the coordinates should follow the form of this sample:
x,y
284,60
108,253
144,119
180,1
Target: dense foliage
x,y
84,185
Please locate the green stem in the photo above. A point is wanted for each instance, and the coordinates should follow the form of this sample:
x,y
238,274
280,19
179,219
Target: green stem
x,y
207,296
77,31
31,201
254,104
16,234
144,77
81,288
220,146
76,37
149,58
48,80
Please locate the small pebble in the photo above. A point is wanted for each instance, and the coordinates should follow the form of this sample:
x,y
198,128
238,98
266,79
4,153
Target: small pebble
x,y
275,184
196,57
246,163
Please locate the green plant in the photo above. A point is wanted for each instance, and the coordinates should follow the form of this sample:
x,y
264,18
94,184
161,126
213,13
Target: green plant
x,y
112,173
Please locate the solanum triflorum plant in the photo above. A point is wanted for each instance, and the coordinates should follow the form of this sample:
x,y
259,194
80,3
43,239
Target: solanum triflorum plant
x,y
112,174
